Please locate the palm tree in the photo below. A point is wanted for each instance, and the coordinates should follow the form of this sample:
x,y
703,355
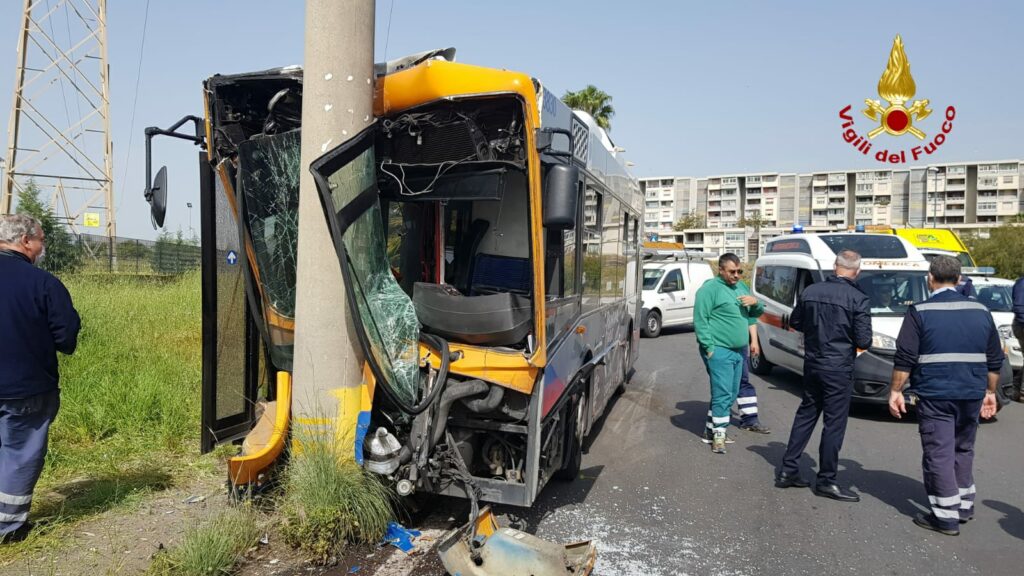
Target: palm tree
x,y
595,102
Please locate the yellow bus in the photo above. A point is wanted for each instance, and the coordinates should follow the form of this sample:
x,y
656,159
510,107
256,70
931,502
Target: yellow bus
x,y
489,240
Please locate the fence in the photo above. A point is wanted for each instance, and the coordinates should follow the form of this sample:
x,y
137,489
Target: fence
x,y
166,255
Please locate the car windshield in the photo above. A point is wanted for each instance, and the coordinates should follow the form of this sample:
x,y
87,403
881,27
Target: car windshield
x,y
997,297
891,292
651,277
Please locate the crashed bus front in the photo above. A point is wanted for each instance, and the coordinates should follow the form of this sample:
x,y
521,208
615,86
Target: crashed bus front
x,y
488,241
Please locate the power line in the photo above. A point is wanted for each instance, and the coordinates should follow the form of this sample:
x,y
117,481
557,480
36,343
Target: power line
x,y
387,37
135,101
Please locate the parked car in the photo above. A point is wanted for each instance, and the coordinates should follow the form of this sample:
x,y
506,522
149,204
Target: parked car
x,y
997,295
894,275
669,289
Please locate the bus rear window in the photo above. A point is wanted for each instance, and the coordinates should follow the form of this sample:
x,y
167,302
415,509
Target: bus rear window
x,y
873,246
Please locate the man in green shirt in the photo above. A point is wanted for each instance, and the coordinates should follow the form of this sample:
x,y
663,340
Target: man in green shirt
x,y
722,317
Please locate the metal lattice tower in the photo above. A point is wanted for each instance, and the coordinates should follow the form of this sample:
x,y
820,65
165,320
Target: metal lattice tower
x,y
59,130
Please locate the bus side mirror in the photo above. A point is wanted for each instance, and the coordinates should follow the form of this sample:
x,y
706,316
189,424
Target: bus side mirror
x,y
156,195
561,197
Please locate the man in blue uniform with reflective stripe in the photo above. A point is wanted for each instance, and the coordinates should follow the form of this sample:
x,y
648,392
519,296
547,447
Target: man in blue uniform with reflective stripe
x,y
37,320
952,348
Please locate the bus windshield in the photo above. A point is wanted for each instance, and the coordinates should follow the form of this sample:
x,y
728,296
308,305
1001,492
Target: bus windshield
x,y
651,277
891,292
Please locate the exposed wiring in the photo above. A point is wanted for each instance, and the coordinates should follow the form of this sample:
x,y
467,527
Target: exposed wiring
x,y
405,190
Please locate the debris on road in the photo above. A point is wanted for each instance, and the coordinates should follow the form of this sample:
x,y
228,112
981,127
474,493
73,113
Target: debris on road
x,y
482,548
401,537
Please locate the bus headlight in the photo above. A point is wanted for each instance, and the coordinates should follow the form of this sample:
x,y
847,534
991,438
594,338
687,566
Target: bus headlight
x,y
883,342
1006,331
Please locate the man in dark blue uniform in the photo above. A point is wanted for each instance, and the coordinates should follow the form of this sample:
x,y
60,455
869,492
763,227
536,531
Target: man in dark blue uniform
x,y
1018,331
37,320
951,346
835,318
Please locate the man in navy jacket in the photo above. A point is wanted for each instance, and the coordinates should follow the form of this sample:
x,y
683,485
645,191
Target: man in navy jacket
x,y
1018,330
951,346
37,320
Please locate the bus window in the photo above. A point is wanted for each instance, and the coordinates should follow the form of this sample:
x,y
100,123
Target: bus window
x,y
610,237
591,249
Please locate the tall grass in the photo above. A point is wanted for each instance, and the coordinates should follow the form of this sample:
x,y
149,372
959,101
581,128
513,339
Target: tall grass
x,y
131,392
329,500
211,549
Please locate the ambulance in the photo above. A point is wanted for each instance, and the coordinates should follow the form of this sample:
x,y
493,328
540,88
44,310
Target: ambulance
x,y
894,275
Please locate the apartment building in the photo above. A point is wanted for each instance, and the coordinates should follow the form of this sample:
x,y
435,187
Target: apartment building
x,y
666,200
962,196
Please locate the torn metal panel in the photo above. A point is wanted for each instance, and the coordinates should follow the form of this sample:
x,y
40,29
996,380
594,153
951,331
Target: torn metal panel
x,y
482,548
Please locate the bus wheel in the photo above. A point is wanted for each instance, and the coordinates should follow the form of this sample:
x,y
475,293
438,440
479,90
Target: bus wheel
x,y
759,364
652,324
574,439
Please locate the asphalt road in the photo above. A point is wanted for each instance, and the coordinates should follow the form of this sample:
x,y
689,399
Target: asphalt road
x,y
658,502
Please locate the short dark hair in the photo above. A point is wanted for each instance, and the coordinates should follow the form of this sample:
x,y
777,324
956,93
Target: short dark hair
x,y
945,270
728,257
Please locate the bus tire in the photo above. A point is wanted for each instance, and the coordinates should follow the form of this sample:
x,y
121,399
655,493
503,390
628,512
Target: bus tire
x,y
652,324
626,368
759,364
574,439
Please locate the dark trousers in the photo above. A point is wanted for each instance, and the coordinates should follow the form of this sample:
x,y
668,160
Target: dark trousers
x,y
1018,333
747,398
24,433
827,392
948,429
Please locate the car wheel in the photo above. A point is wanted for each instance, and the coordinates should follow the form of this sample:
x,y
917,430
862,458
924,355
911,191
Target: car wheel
x,y
652,324
759,364
574,440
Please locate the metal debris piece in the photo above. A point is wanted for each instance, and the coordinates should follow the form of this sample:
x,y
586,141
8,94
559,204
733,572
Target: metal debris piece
x,y
510,552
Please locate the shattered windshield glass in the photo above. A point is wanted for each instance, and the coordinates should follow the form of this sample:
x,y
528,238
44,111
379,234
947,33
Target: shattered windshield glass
x,y
269,177
387,313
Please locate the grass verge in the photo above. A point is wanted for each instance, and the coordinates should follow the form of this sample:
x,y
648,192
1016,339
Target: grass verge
x,y
328,500
211,549
130,401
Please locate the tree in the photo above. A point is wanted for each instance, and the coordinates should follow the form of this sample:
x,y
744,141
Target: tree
x,y
689,221
593,101
1001,250
756,221
63,255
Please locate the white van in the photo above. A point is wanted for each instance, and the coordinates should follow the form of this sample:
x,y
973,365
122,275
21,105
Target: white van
x,y
894,275
670,286
997,295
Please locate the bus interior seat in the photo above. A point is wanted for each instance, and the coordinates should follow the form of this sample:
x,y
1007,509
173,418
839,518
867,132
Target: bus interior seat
x,y
500,319
492,273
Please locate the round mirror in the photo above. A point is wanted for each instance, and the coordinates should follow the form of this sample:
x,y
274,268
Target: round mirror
x,y
158,198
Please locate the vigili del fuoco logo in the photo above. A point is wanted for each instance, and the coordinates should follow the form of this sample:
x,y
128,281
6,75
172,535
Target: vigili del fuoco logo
x,y
896,88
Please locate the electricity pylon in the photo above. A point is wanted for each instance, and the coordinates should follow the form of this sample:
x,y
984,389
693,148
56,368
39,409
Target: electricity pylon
x,y
59,131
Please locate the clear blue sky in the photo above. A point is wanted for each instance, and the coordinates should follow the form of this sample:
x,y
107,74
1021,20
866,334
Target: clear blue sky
x,y
699,87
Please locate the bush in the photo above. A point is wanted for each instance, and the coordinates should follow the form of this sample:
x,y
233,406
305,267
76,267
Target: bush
x,y
329,500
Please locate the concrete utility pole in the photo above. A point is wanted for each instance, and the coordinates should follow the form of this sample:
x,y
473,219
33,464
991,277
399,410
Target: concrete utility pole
x,y
337,103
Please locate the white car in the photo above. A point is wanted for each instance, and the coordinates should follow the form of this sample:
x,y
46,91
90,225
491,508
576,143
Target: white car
x,y
670,288
997,295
